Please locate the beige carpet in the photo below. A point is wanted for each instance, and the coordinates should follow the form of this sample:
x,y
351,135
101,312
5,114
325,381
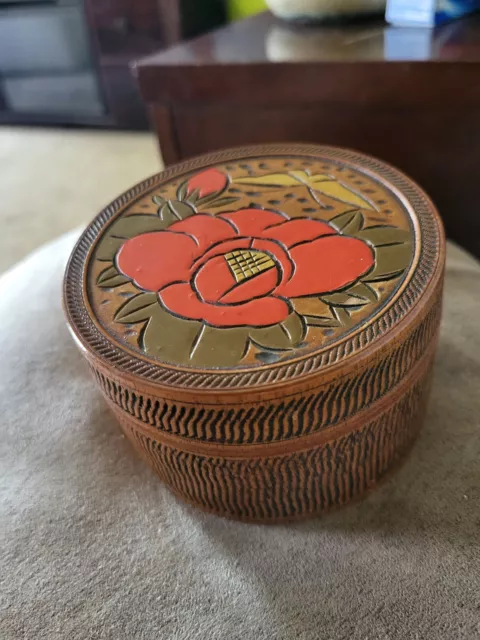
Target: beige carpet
x,y
52,181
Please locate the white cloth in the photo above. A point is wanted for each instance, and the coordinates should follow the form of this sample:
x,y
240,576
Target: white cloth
x,y
94,546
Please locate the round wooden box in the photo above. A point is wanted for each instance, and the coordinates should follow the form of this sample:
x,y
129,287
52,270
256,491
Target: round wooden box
x,y
263,321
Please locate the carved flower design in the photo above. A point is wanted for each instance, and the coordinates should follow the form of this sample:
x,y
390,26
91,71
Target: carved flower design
x,y
241,268
210,283
208,182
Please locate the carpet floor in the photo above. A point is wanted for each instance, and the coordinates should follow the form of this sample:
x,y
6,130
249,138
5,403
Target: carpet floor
x,y
53,180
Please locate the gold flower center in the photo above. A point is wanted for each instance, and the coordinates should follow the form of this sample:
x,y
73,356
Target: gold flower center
x,y
245,264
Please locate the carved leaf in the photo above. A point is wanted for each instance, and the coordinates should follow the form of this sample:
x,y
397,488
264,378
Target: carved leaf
x,y
285,335
174,210
270,180
138,308
192,197
107,248
352,308
344,299
363,292
342,316
124,229
208,199
190,342
110,277
382,235
321,321
314,181
166,215
214,347
338,191
182,190
158,200
131,226
106,274
390,261
350,222
311,306
169,338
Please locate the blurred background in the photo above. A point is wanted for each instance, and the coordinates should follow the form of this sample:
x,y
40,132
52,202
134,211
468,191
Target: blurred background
x,y
67,61
65,68
81,120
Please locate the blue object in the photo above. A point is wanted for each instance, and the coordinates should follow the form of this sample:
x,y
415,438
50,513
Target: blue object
x,y
427,13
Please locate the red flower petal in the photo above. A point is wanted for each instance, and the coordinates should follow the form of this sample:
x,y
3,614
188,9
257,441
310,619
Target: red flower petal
x,y
278,253
213,279
251,222
153,260
262,244
293,232
221,248
256,287
207,182
215,282
205,229
326,264
181,300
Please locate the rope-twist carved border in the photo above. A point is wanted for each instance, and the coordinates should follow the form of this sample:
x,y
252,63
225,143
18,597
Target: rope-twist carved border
x,y
105,349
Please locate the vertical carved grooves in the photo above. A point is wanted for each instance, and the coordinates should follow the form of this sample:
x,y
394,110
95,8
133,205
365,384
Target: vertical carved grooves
x,y
293,485
291,417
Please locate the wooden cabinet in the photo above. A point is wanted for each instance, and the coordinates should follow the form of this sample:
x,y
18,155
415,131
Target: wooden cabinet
x,y
70,63
410,97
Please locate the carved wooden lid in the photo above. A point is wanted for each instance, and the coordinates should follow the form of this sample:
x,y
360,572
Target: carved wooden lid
x,y
253,267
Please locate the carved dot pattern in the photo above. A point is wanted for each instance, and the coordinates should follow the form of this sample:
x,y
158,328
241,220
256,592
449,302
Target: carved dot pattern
x,y
107,350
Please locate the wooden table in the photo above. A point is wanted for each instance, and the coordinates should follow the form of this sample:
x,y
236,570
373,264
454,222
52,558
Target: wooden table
x,y
408,96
